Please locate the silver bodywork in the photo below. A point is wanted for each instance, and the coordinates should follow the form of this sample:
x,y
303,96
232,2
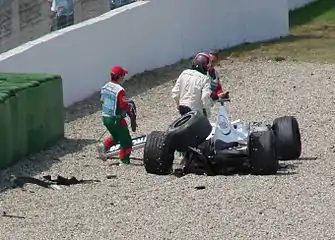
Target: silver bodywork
x,y
234,131
227,131
223,130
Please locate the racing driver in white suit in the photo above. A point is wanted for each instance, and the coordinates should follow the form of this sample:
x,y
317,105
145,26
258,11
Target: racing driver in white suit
x,y
192,89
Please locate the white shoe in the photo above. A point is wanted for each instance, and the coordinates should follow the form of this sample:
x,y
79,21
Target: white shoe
x,y
102,151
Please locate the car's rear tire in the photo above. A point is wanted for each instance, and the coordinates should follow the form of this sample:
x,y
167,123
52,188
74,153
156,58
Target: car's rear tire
x,y
262,150
189,130
288,138
158,154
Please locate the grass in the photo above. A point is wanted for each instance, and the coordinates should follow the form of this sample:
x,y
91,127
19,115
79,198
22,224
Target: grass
x,y
311,38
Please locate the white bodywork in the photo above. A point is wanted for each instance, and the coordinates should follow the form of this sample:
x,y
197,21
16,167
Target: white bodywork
x,y
228,131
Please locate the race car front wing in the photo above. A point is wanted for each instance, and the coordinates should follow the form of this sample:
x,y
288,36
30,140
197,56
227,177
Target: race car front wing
x,y
138,143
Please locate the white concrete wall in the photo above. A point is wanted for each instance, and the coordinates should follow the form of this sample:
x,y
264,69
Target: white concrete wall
x,y
294,4
143,36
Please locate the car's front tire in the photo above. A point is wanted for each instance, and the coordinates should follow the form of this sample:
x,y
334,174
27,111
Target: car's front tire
x,y
158,154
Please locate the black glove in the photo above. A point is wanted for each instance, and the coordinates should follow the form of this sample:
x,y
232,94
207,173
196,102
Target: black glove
x,y
133,123
132,115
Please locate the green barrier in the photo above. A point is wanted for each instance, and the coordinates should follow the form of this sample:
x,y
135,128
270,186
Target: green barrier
x,y
5,149
47,124
32,114
18,125
55,121
17,114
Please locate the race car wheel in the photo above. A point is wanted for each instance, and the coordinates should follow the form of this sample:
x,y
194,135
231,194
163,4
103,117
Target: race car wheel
x,y
262,150
189,130
288,139
158,155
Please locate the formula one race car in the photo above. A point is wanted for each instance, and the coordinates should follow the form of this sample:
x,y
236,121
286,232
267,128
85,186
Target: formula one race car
x,y
212,148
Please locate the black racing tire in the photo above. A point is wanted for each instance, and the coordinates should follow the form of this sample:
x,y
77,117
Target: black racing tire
x,y
288,138
189,130
263,155
158,155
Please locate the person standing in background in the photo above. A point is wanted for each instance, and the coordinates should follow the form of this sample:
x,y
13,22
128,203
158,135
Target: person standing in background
x,y
52,15
216,86
65,9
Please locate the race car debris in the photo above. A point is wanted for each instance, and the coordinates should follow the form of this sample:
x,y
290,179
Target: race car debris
x,y
59,180
21,181
4,214
111,176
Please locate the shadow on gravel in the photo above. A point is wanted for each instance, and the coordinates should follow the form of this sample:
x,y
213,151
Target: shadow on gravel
x,y
282,172
285,169
42,161
83,108
132,164
308,158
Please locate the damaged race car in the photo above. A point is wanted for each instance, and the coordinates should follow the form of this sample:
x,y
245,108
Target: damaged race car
x,y
211,149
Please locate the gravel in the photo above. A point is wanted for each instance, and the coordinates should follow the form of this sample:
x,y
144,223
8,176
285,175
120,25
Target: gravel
x,y
296,204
